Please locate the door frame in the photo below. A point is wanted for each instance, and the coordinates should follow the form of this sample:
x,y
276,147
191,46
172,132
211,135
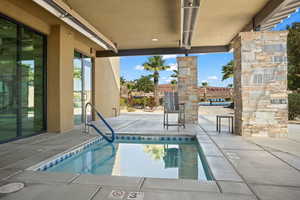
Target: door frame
x,y
82,55
19,26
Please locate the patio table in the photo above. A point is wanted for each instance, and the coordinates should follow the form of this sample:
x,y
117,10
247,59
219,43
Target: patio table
x,y
219,120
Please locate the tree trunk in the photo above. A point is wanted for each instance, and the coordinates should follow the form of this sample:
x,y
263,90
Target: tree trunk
x,y
156,97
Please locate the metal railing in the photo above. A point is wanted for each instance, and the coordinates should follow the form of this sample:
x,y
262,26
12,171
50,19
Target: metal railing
x,y
88,124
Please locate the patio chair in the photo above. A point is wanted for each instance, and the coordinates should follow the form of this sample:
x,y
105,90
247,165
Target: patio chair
x,y
172,106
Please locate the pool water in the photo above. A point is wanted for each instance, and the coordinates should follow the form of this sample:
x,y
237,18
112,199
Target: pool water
x,y
157,159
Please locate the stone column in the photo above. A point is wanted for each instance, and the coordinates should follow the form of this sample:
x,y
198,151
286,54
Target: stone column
x,y
260,82
188,87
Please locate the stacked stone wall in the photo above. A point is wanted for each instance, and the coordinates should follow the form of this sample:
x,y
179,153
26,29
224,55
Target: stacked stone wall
x,y
261,84
188,87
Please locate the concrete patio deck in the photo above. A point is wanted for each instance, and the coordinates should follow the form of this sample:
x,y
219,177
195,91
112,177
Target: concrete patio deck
x,y
243,168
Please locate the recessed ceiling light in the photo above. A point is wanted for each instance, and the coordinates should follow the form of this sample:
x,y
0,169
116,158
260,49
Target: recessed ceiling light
x,y
154,39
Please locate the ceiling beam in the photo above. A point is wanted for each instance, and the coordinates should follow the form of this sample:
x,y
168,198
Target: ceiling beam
x,y
163,51
264,14
276,19
286,11
268,10
272,23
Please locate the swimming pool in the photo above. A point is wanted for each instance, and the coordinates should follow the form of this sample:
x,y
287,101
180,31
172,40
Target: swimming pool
x,y
136,156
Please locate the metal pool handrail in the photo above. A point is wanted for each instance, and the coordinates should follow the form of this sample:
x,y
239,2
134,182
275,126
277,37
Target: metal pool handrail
x,y
87,124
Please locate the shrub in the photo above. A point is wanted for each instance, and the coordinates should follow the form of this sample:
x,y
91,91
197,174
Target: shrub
x,y
137,102
150,102
130,109
123,102
294,105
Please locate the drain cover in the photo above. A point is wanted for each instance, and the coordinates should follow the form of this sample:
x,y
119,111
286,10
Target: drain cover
x,y
11,187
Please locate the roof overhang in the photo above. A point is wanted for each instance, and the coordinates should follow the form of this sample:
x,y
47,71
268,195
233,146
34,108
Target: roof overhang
x,y
281,12
73,19
154,27
163,51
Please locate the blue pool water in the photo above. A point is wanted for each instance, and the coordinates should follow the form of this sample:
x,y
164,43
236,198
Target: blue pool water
x,y
214,103
157,159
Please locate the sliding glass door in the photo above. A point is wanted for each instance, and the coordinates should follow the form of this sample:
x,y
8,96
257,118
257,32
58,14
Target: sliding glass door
x,y
22,80
32,82
82,86
8,76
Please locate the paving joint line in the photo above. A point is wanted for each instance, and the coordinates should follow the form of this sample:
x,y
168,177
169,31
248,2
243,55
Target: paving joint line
x,y
261,146
249,186
11,175
274,185
219,186
96,192
127,125
73,179
142,184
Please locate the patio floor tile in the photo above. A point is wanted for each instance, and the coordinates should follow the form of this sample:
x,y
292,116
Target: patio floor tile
x,y
152,184
109,180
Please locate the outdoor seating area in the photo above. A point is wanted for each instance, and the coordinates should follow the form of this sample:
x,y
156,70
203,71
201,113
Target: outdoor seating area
x,y
230,120
172,106
149,100
229,158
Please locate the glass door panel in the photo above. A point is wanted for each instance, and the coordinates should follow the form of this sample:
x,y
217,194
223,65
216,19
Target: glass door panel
x,y
77,89
21,80
87,65
82,83
32,90
8,86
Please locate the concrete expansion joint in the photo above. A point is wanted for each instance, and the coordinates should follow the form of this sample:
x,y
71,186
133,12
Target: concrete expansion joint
x,y
275,185
141,184
266,150
235,169
127,125
14,174
73,179
219,186
95,193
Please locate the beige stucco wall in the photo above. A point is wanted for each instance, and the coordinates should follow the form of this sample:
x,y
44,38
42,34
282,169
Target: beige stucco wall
x,y
107,85
62,42
60,79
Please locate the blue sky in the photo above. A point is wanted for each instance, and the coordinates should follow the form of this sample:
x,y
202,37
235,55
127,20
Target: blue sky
x,y
209,65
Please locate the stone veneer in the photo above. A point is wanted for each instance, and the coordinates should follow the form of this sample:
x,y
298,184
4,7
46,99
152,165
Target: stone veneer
x,y
188,87
261,84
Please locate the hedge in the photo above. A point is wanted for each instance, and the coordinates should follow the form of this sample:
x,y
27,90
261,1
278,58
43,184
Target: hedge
x,y
294,105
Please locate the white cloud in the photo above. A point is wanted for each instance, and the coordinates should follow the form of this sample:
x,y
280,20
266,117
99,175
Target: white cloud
x,y
139,67
169,56
212,78
166,79
204,81
173,66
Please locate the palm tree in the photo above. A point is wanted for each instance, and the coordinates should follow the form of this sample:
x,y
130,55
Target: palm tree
x,y
122,80
175,80
227,70
204,84
155,64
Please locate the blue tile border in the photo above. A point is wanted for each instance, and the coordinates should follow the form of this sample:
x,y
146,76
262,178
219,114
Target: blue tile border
x,y
119,138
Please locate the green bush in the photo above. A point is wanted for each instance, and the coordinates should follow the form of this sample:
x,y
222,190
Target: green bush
x,y
130,109
137,102
150,102
294,105
123,102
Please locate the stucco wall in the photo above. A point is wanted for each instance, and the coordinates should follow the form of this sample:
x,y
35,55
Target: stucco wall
x,y
62,42
107,85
